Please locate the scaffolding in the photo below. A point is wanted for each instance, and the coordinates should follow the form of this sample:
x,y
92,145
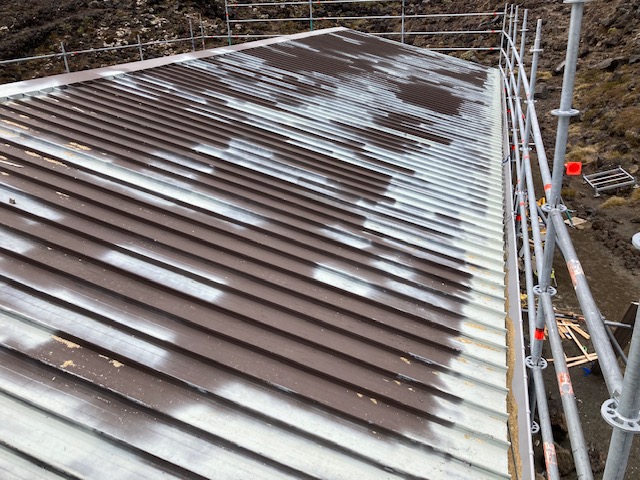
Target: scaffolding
x,y
508,38
621,411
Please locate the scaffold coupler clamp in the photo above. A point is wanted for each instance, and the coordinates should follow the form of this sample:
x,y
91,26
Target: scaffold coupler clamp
x,y
611,415
547,208
541,363
535,427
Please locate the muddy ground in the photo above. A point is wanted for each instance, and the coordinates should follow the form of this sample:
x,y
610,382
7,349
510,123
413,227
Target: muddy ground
x,y
605,135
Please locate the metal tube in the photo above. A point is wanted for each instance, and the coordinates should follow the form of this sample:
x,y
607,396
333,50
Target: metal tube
x,y
569,404
509,39
617,324
615,344
304,2
593,318
502,42
402,22
536,389
522,211
523,37
26,59
529,282
535,128
361,17
628,408
534,67
537,341
565,112
193,40
323,2
311,15
64,57
202,32
140,48
536,321
226,16
514,35
544,275
530,95
546,430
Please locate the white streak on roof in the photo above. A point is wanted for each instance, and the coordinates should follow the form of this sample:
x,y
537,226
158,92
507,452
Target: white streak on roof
x,y
180,160
26,203
335,232
140,350
21,332
344,280
59,443
136,88
167,186
15,243
246,154
276,443
177,281
355,41
413,459
394,269
144,352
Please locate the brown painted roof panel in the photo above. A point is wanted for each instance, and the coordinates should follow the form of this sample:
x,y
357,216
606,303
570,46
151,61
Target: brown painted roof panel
x,y
281,261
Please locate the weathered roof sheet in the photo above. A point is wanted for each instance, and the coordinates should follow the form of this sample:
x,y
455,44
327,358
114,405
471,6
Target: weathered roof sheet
x,y
281,261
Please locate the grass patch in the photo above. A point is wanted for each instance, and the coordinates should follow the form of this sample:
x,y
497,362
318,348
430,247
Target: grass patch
x,y
586,155
568,193
625,125
635,195
544,75
614,201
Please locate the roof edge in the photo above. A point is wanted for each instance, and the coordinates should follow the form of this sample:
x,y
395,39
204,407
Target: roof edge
x,y
17,89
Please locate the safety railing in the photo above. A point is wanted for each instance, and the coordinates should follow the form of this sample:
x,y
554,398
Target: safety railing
x,y
314,14
622,410
66,55
246,21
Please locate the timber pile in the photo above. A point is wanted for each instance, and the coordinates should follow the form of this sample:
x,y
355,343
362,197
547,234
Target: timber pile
x,y
570,330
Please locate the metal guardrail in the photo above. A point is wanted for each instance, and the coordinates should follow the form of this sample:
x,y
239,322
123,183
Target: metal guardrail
x,y
311,6
66,54
306,16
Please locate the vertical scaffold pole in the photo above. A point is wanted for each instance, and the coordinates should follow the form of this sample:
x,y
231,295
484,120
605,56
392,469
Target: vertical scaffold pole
x,y
402,22
508,47
502,35
193,40
624,415
523,35
226,16
514,36
565,112
64,57
140,48
311,15
202,32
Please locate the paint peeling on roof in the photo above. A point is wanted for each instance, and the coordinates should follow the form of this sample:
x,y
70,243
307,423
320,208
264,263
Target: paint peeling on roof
x,y
280,260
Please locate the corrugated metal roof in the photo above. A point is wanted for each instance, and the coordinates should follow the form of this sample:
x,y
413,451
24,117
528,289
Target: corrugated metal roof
x,y
281,261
